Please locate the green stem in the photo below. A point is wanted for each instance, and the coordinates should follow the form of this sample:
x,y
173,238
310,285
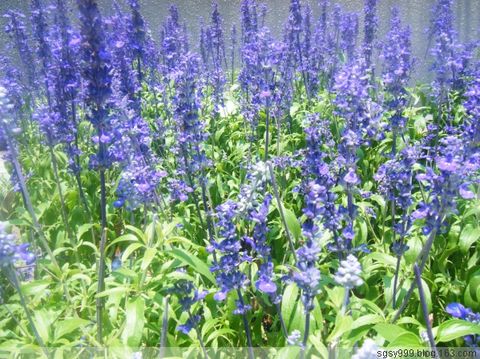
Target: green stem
x,y
101,262
248,333
423,301
163,336
16,284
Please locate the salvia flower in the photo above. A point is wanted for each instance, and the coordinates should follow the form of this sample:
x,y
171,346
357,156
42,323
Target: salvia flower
x,y
295,338
457,310
395,178
349,273
227,266
368,350
174,42
472,106
397,67
188,296
454,167
97,77
257,241
451,57
10,252
370,29
348,28
16,30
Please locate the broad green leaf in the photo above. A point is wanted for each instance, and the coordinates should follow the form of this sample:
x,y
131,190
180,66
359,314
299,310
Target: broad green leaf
x,y
43,323
389,331
189,259
456,328
406,340
469,235
69,325
135,321
369,319
343,324
383,258
318,344
292,310
36,287
129,237
84,228
121,289
292,223
219,333
130,249
147,258
138,232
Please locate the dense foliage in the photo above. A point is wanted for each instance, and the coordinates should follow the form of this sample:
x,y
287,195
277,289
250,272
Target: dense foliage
x,y
242,190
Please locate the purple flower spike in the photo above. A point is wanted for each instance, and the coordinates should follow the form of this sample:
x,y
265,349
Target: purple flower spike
x,y
351,177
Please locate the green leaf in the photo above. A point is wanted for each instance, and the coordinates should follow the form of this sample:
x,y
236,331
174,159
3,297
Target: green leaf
x,y
130,249
369,319
456,328
317,344
389,331
189,259
84,228
43,323
470,234
147,258
292,309
135,321
129,237
384,258
116,290
292,223
37,287
343,324
406,340
69,325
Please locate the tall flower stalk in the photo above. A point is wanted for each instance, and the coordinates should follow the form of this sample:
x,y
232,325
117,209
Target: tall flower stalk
x,y
97,77
44,54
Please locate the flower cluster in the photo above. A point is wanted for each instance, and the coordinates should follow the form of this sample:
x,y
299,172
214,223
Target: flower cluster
x,y
451,57
258,243
214,57
457,310
349,272
16,30
188,295
10,252
370,29
397,66
227,267
96,71
368,350
395,178
455,168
